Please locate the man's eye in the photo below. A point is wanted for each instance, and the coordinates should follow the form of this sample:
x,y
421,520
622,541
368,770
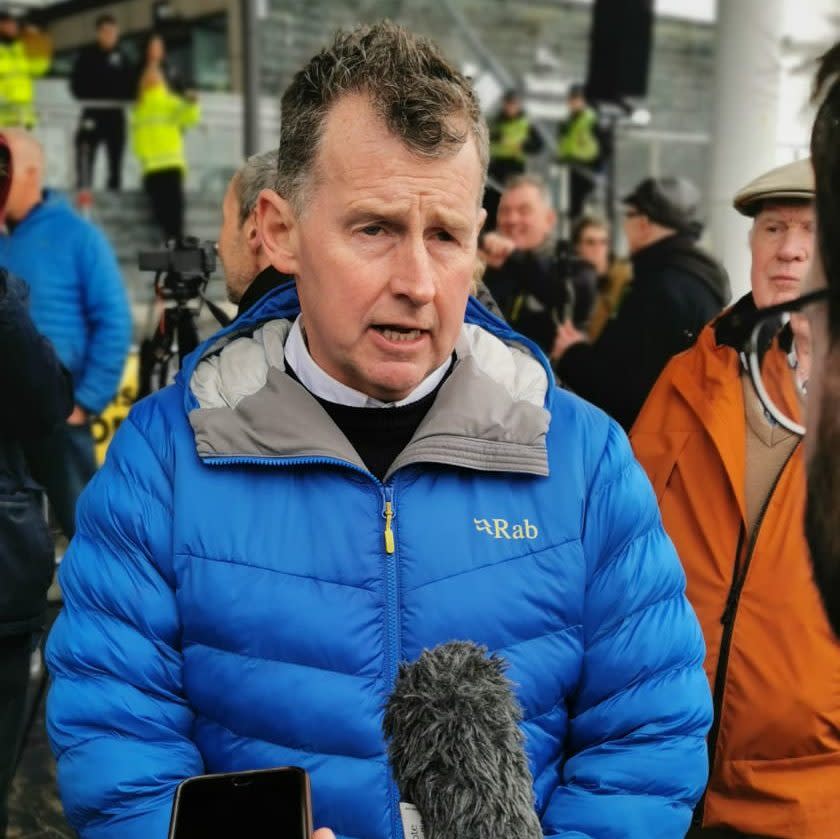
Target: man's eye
x,y
444,236
372,229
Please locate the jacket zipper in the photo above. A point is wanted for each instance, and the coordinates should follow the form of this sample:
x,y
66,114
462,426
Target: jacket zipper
x,y
389,513
727,619
391,627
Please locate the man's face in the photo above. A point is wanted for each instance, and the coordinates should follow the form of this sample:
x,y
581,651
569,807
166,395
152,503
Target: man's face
x,y
636,226
594,247
782,243
9,28
383,253
822,449
576,104
525,217
238,260
107,35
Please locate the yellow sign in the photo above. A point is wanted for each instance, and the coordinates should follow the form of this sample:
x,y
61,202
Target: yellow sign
x,y
104,426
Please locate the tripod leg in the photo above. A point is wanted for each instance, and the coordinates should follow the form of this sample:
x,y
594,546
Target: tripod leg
x,y
187,333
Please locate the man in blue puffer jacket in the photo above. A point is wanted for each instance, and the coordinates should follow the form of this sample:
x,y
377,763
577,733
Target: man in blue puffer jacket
x,y
77,301
353,471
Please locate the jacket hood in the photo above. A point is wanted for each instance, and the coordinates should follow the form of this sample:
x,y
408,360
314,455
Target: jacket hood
x,y
682,253
491,414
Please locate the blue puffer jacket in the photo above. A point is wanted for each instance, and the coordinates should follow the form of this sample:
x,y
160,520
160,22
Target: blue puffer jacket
x,y
77,298
231,601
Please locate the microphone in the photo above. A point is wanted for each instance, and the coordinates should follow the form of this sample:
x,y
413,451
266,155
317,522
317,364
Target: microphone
x,y
455,748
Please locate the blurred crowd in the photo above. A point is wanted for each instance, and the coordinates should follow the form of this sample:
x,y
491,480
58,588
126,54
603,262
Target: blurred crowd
x,y
167,660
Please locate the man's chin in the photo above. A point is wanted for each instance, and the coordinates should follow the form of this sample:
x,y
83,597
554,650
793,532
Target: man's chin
x,y
394,381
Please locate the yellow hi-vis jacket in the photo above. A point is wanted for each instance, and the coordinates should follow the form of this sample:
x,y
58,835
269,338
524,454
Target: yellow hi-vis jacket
x,y
577,141
158,122
507,138
17,93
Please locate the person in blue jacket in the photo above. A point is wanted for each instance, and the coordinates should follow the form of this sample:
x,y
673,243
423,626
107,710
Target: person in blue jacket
x,y
363,465
79,302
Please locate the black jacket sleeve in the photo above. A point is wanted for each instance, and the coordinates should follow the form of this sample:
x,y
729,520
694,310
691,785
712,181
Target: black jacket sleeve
x,y
37,392
616,373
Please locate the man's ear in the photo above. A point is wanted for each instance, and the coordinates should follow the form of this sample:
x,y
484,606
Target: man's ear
x,y
251,232
276,229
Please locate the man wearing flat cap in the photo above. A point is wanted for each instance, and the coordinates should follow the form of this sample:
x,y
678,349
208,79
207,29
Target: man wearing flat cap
x,y
676,290
731,488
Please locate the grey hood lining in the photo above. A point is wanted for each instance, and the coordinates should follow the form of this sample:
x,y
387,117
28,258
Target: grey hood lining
x,y
489,414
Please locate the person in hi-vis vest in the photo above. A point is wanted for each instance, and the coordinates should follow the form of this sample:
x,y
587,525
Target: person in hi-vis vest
x,y
579,147
512,138
19,63
158,121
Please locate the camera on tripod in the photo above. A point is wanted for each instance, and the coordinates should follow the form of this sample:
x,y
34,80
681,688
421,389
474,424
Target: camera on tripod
x,y
183,268
182,272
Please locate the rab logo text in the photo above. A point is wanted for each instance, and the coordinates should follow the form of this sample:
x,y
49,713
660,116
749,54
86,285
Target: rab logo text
x,y
503,529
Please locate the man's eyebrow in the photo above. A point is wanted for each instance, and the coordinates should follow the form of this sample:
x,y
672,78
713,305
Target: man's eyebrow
x,y
394,213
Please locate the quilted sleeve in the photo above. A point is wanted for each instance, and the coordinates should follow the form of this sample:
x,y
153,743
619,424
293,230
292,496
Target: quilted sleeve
x,y
636,751
117,718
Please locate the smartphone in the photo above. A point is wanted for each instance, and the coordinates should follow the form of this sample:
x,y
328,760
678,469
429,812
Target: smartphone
x,y
259,804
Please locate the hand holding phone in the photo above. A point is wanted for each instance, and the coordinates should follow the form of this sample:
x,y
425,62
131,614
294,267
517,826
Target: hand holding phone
x,y
259,804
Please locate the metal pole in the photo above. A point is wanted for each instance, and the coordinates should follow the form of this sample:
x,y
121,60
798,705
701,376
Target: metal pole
x,y
250,78
749,34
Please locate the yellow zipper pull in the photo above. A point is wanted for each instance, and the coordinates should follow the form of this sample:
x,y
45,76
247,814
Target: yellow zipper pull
x,y
389,534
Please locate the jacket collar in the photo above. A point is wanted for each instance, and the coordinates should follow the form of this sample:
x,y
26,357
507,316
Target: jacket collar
x,y
712,389
490,415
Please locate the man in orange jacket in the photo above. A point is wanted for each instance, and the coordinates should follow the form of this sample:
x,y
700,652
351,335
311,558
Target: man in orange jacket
x,y
731,487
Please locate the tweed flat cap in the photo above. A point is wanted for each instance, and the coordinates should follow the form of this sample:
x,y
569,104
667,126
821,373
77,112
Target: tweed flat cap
x,y
793,180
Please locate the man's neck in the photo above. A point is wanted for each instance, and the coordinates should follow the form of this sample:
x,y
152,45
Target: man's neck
x,y
25,211
318,382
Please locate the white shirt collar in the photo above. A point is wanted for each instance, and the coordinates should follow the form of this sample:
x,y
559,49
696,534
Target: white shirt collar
x,y
324,386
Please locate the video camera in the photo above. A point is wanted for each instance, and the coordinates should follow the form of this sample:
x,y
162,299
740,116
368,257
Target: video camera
x,y
182,268
182,271
571,293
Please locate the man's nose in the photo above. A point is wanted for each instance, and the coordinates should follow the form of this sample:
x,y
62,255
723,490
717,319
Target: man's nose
x,y
412,275
796,246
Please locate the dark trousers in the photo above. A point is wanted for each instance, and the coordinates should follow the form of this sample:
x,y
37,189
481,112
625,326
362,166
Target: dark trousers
x,y
63,463
580,185
166,195
95,127
15,651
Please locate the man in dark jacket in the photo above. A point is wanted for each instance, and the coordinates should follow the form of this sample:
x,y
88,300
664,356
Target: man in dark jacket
x,y
37,396
101,72
535,284
677,288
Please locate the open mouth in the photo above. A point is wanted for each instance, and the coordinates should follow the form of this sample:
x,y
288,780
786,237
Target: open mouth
x,y
398,333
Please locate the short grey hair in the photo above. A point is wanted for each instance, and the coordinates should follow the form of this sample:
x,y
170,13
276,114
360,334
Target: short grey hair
x,y
259,172
421,98
530,179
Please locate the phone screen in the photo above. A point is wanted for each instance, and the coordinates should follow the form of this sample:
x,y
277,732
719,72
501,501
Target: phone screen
x,y
262,804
